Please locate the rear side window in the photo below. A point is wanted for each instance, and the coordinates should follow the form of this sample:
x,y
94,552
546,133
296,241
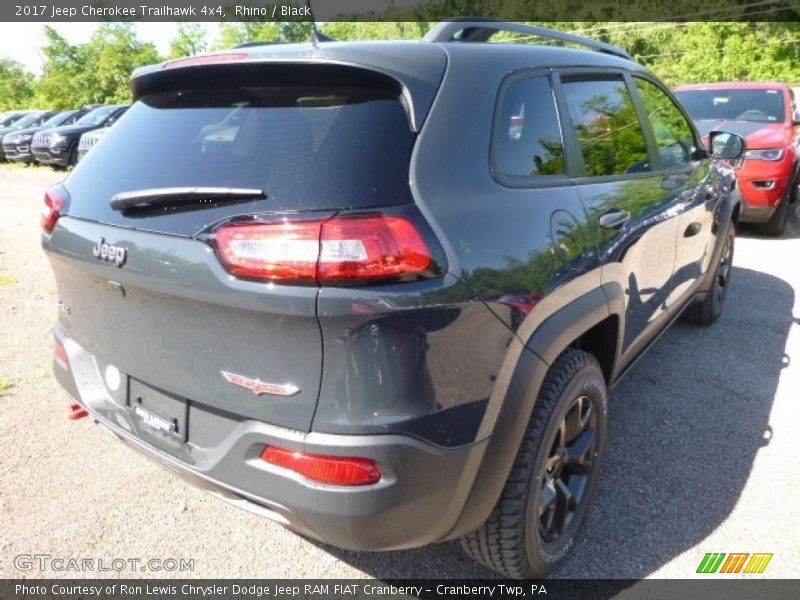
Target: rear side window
x,y
526,142
674,135
607,127
308,147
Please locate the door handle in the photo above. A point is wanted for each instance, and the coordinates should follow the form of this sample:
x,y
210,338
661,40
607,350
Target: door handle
x,y
614,218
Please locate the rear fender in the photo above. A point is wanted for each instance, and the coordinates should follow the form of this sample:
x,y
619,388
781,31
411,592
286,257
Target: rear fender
x,y
517,388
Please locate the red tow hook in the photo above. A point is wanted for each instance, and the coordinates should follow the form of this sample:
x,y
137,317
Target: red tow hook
x,y
76,412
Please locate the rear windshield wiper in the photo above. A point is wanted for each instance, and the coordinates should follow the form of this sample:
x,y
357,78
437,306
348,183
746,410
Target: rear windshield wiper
x,y
174,196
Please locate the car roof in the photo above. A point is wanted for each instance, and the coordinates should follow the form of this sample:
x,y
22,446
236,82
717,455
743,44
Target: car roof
x,y
733,85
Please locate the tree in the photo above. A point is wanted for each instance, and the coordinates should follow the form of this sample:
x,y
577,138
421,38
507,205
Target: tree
x,y
190,40
233,34
16,85
97,71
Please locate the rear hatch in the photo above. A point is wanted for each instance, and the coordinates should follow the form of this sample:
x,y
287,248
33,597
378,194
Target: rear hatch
x,y
302,141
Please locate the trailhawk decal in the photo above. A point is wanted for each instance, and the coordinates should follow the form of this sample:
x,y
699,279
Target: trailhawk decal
x,y
259,387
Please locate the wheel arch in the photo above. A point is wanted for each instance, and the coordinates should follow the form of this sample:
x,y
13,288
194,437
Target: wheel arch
x,y
593,323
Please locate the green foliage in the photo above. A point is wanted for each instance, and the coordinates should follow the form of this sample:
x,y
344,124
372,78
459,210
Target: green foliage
x,y
16,85
97,71
190,40
233,34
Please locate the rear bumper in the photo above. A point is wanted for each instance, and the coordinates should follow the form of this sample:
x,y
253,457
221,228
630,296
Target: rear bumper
x,y
417,502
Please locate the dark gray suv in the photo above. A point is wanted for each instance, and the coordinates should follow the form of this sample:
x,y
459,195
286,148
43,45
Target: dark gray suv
x,y
377,292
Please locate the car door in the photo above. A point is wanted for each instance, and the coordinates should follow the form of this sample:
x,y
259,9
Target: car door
x,y
614,164
697,189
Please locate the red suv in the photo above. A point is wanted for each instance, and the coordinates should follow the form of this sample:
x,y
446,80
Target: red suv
x,y
764,113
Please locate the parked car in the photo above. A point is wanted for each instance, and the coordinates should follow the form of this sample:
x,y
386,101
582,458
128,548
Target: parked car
x,y
59,146
17,144
32,119
765,114
88,140
378,292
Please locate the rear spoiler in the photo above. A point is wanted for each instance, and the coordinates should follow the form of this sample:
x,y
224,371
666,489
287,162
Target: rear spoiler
x,y
416,75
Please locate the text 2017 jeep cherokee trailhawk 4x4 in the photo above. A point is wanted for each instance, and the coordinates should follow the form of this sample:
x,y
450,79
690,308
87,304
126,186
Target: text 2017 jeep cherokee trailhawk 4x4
x,y
377,291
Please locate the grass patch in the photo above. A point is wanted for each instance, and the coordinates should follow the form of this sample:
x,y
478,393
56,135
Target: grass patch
x,y
6,280
43,375
5,385
13,164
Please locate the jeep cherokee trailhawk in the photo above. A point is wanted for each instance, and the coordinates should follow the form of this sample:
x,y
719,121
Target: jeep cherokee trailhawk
x,y
377,291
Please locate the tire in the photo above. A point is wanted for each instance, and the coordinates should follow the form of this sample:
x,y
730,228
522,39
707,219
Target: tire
x,y
520,539
709,310
777,222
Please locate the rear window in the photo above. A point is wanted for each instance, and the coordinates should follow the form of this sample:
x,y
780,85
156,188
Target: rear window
x,y
307,147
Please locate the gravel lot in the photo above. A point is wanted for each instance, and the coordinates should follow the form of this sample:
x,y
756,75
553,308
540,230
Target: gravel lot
x,y
702,452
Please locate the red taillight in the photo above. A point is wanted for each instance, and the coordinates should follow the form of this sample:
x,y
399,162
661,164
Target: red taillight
x,y
335,251
206,60
76,411
373,247
54,200
60,354
334,470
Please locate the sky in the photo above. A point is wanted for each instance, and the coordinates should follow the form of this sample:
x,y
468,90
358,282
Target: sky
x,y
21,41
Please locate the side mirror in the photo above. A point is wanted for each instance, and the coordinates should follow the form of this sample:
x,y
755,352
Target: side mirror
x,y
727,146
796,118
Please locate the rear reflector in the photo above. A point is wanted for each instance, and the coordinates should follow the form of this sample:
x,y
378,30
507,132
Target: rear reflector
x,y
333,470
54,200
76,411
339,250
60,354
206,60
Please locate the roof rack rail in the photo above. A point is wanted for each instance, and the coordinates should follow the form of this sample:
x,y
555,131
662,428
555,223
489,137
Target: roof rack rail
x,y
480,30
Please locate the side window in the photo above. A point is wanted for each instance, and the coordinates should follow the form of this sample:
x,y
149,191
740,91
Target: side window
x,y
526,141
608,130
674,135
